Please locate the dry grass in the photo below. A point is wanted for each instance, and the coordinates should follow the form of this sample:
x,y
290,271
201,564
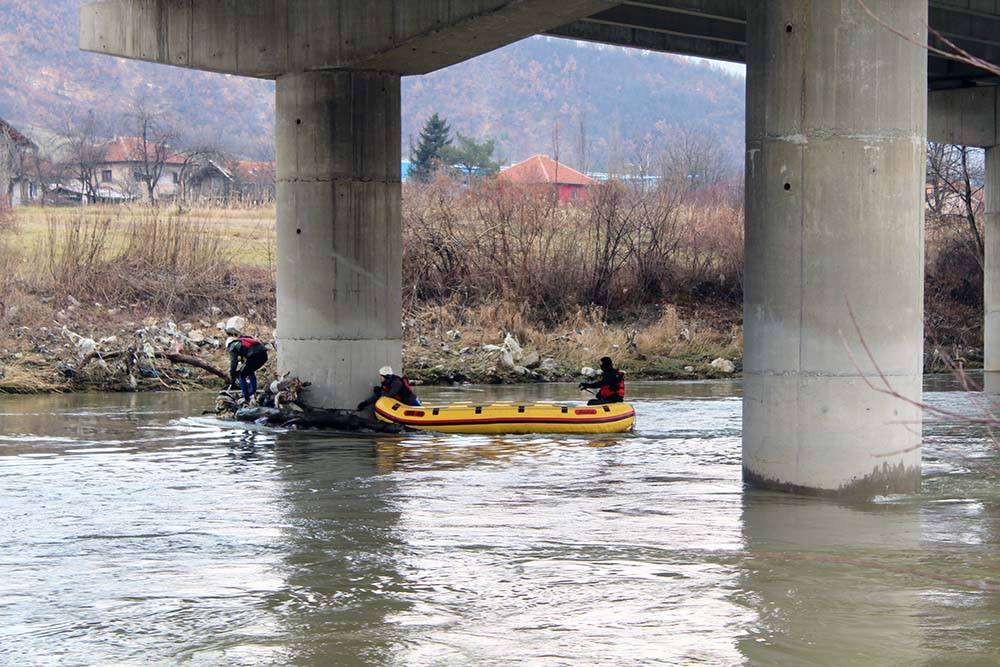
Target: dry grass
x,y
147,259
247,234
29,378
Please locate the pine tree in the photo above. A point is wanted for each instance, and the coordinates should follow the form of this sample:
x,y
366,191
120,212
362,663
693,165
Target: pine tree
x,y
471,157
425,158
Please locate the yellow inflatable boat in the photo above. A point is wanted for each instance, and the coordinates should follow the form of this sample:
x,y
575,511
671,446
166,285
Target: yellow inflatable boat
x,y
509,417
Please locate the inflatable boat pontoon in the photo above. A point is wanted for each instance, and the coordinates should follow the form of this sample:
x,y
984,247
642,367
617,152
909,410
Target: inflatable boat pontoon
x,y
509,417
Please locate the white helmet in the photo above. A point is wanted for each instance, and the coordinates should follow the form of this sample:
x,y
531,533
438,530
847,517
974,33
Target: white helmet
x,y
385,370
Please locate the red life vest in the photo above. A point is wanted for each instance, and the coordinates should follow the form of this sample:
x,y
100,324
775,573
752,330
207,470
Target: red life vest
x,y
617,388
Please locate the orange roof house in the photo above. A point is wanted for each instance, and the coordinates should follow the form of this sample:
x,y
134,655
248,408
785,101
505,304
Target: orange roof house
x,y
542,171
129,149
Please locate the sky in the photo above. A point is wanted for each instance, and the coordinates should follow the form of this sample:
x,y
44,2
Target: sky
x,y
732,68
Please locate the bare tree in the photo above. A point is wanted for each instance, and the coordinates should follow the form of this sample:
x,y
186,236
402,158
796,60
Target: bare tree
x,y
693,159
9,162
43,166
194,159
615,156
582,143
642,157
151,150
85,149
955,176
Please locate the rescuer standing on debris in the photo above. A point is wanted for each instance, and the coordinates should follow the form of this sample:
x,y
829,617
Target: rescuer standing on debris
x,y
393,386
610,388
254,355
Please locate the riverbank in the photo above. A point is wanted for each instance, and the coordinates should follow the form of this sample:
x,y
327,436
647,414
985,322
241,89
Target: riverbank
x,y
74,346
71,346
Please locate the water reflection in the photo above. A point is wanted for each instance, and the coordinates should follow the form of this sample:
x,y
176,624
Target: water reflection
x,y
830,583
340,551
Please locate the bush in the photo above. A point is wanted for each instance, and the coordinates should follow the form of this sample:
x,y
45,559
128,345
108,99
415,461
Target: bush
x,y
624,249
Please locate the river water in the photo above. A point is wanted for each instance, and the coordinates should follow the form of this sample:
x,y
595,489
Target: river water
x,y
135,533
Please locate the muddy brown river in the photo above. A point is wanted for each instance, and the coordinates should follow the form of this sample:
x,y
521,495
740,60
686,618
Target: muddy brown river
x,y
134,533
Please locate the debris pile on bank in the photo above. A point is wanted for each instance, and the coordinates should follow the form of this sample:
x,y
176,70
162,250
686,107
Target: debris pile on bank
x,y
158,352
452,360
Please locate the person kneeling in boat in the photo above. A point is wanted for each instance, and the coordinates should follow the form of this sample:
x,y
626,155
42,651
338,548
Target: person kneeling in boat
x,y
610,388
254,356
393,386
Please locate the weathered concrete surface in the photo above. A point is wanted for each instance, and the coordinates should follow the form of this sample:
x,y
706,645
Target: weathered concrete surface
x,y
339,240
266,38
836,126
965,116
991,273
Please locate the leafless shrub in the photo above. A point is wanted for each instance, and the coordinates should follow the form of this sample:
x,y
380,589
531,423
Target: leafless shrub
x,y
625,248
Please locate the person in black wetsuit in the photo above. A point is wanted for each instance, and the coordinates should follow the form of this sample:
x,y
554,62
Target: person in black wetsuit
x,y
254,355
393,386
610,388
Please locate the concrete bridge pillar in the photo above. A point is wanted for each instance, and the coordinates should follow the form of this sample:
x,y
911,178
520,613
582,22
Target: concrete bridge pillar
x,y
991,273
339,241
836,126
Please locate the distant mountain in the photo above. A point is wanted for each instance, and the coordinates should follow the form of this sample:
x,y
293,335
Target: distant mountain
x,y
523,93
536,96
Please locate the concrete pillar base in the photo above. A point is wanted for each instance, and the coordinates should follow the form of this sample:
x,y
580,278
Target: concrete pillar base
x,y
991,382
830,435
341,371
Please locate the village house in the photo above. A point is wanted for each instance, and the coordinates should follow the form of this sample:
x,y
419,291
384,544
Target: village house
x,y
17,187
208,181
231,181
121,171
549,177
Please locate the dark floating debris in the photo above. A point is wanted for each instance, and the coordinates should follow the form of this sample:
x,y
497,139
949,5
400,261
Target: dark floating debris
x,y
279,404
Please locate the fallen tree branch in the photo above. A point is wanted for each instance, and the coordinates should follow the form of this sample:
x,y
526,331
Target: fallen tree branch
x,y
192,361
172,357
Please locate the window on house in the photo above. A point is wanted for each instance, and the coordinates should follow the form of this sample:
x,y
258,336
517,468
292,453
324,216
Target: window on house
x,y
177,178
106,176
137,175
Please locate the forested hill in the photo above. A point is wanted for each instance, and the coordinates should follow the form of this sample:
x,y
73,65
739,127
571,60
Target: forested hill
x,y
534,96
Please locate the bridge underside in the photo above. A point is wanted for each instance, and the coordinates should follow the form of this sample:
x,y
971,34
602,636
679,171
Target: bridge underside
x,y
838,114
717,29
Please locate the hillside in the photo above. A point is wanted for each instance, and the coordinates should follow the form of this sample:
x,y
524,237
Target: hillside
x,y
519,94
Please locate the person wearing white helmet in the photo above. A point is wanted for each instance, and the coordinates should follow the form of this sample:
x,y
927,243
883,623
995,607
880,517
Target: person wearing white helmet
x,y
392,386
253,354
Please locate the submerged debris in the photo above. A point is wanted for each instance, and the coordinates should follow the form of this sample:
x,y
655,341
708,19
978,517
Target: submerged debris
x,y
279,404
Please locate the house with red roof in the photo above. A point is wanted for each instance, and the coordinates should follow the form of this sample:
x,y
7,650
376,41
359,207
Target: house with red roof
x,y
120,171
540,171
